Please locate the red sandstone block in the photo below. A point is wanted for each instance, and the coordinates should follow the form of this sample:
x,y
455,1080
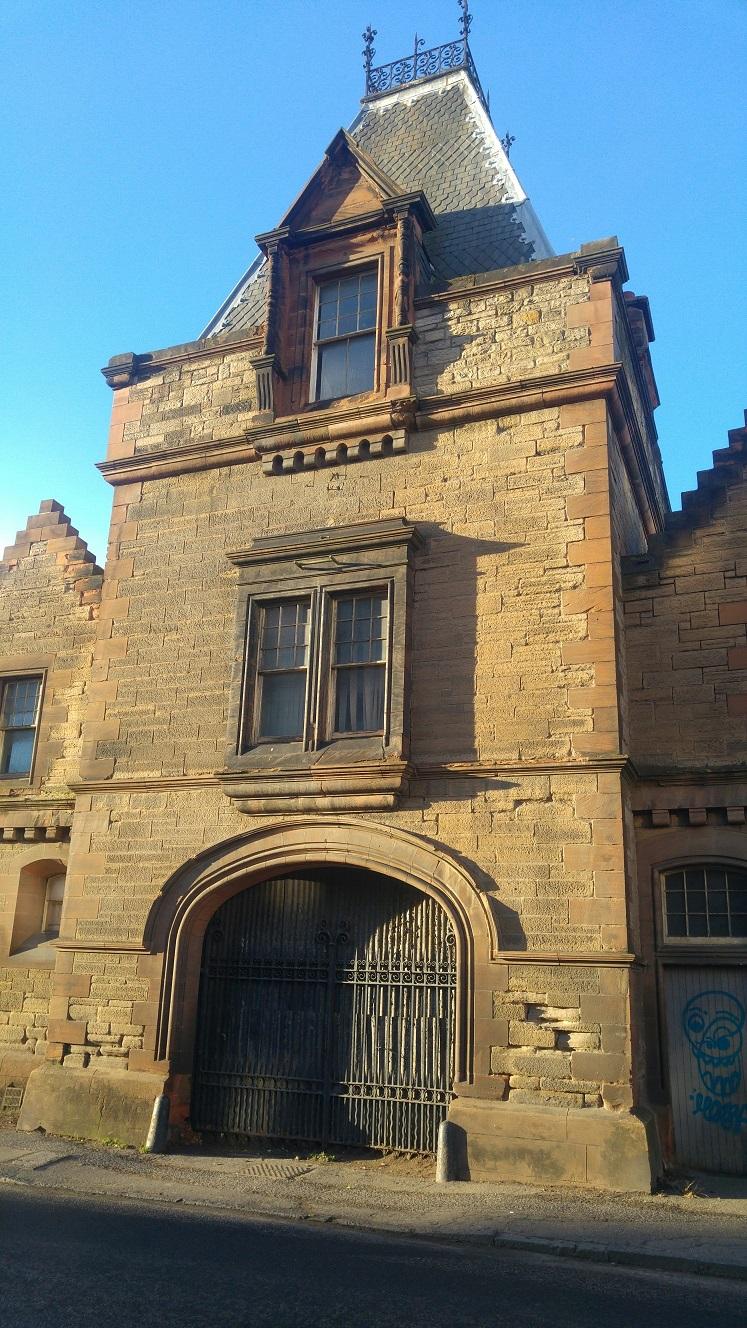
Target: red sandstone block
x,y
590,551
733,612
582,459
737,657
68,1031
736,704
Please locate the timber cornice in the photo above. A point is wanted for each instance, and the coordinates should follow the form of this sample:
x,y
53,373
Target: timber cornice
x,y
541,392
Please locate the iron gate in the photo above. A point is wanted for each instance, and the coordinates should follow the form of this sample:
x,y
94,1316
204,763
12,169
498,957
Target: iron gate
x,y
326,1013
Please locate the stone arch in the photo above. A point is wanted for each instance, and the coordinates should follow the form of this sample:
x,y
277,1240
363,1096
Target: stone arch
x,y
179,917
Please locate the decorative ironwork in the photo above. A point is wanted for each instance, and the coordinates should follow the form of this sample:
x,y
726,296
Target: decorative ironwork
x,y
369,50
327,1013
507,142
465,22
423,63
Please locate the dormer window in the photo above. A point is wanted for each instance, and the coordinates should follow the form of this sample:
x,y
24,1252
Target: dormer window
x,y
345,335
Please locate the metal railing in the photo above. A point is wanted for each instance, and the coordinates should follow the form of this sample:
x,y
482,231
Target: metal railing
x,y
421,64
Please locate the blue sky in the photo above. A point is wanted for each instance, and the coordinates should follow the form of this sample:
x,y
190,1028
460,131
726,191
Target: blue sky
x,y
146,142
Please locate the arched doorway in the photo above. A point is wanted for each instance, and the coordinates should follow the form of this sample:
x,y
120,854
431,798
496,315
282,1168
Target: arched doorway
x,y
326,1012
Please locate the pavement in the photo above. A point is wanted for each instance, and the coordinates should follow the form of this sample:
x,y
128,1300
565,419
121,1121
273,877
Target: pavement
x,y
696,1225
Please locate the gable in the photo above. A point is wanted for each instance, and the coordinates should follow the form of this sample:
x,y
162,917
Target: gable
x,y
340,193
347,184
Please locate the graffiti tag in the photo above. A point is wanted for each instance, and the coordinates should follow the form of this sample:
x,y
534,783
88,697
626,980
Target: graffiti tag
x,y
713,1022
729,1115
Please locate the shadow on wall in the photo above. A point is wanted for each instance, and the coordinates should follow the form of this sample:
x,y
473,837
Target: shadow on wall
x,y
443,666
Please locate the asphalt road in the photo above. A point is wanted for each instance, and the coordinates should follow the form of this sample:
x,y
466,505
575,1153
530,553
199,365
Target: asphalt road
x,y
67,1260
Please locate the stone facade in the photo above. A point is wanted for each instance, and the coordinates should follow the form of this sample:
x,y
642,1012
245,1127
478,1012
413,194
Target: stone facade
x,y
556,628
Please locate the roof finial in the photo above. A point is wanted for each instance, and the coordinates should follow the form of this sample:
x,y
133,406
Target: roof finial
x,y
419,43
369,52
507,143
465,22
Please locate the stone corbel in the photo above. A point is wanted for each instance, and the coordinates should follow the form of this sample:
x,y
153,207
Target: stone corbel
x,y
266,369
400,340
121,370
267,365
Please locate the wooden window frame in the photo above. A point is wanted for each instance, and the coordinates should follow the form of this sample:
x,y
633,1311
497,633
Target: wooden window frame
x,y
33,675
318,728
694,863
318,278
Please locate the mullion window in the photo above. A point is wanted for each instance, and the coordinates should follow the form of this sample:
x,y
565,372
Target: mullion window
x,y
19,703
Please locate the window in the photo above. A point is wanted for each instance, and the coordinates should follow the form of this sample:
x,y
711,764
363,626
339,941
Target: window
x,y
708,902
318,701
283,669
345,335
19,706
358,663
348,666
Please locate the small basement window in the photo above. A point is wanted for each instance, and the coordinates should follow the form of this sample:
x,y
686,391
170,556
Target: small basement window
x,y
705,903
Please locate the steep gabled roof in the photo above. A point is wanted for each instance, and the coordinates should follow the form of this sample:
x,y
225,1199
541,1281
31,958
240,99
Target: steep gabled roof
x,y
437,137
434,136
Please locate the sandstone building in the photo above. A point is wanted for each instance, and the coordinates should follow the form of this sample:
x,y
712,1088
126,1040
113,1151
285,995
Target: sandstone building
x,y
395,764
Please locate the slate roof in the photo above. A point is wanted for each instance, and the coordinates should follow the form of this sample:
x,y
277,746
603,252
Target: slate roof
x,y
436,137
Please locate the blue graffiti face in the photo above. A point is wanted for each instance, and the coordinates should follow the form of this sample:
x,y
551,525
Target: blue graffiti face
x,y
713,1022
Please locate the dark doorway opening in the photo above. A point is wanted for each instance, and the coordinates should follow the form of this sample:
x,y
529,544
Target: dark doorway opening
x,y
326,1013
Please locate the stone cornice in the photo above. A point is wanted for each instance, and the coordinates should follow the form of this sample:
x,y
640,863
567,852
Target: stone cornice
x,y
608,958
336,539
589,258
664,776
425,770
538,393
123,370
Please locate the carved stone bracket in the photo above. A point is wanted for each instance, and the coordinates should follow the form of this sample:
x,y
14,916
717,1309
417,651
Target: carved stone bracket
x,y
335,454
400,340
265,368
377,786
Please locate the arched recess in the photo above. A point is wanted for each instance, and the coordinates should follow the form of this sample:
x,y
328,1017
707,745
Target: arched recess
x,y
177,922
22,896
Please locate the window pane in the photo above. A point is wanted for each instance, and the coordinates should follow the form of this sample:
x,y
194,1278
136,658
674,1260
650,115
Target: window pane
x,y
332,374
364,617
281,714
284,639
19,702
719,924
18,748
359,700
360,374
676,925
